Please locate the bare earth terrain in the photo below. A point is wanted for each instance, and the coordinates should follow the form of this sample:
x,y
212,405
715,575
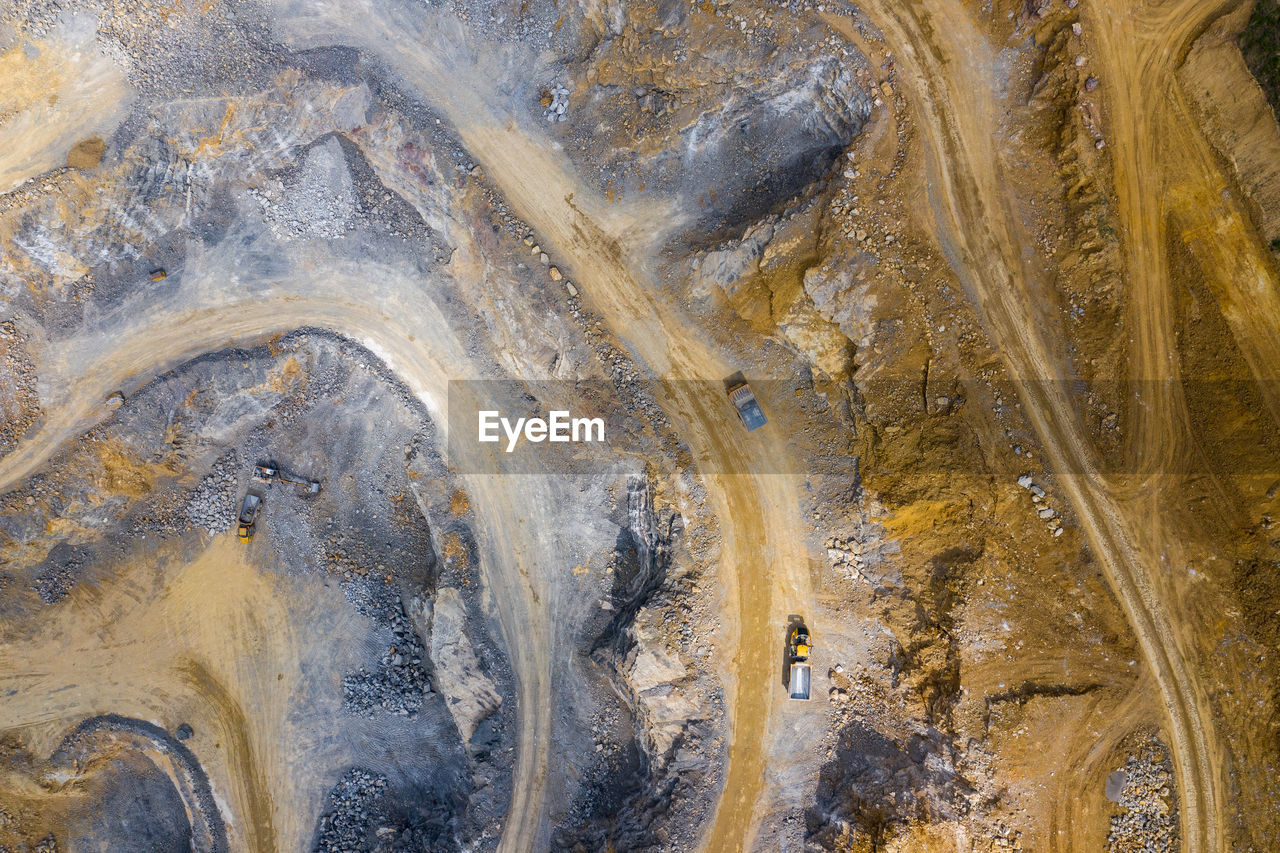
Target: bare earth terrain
x,y
1003,277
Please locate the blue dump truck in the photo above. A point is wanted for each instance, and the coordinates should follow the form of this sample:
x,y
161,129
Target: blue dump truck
x,y
747,405
798,652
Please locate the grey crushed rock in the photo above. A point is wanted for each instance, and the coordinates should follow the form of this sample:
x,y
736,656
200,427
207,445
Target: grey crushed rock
x,y
1149,817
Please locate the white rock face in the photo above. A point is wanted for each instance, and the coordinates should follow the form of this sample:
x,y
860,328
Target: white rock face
x,y
656,675
815,336
469,694
844,301
725,268
654,666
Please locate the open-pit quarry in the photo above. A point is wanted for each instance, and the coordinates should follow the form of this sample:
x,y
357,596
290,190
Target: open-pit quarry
x,y
1001,279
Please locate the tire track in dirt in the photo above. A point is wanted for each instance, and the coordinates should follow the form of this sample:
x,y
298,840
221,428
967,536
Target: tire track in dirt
x,y
245,769
1173,186
1070,822
162,340
979,234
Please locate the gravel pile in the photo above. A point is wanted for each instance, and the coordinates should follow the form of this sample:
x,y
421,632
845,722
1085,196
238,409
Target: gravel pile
x,y
212,504
54,584
317,201
354,804
399,684
1149,820
360,820
556,103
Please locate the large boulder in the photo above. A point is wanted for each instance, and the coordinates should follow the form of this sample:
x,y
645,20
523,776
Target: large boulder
x,y
469,693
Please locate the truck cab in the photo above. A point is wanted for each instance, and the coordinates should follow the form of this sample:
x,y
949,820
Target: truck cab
x,y
744,400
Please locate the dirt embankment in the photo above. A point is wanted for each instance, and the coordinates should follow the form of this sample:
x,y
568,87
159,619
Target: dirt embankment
x,y
1234,112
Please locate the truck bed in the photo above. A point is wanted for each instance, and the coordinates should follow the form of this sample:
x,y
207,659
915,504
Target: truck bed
x,y
799,681
744,399
249,508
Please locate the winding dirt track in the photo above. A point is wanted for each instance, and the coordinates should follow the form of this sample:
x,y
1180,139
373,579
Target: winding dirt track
x,y
982,237
944,69
607,249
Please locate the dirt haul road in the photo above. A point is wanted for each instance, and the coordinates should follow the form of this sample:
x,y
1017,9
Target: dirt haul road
x,y
609,251
758,511
1166,169
142,649
939,64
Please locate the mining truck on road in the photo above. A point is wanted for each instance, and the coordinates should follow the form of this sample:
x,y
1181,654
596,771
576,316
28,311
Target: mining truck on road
x,y
744,400
798,655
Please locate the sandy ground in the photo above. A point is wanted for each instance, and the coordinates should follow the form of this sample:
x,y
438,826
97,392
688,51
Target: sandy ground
x,y
610,250
83,94
219,645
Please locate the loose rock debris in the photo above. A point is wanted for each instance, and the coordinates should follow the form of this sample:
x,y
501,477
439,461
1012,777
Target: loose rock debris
x,y
556,102
399,684
1148,819
758,173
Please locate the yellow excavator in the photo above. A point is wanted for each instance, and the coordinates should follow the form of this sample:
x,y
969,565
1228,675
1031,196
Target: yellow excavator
x,y
263,477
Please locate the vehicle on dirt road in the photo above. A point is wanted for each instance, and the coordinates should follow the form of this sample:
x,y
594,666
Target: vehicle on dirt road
x,y
248,511
798,655
744,399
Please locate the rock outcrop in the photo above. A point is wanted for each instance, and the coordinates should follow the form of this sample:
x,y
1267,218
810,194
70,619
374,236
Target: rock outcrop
x,y
470,694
